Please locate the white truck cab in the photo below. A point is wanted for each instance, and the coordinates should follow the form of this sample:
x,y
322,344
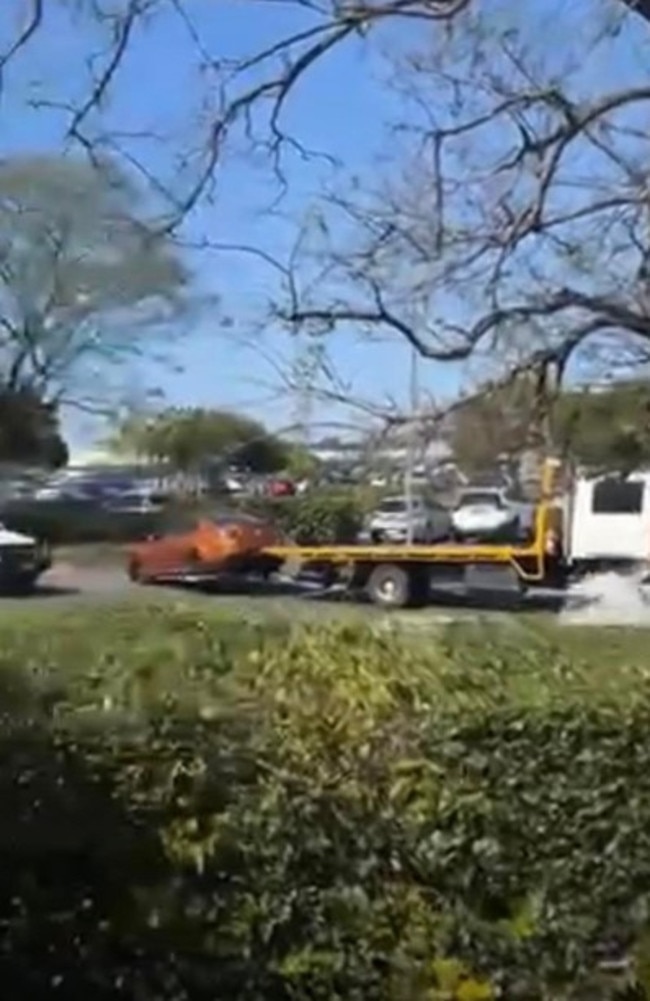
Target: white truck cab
x,y
607,520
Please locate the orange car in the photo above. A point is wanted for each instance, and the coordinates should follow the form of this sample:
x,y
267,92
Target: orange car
x,y
198,548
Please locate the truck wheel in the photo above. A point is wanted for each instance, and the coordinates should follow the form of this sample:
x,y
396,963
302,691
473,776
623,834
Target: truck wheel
x,y
389,586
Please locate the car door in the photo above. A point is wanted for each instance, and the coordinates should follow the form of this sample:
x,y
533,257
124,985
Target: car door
x,y
169,550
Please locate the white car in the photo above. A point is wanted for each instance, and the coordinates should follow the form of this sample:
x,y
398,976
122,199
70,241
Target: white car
x,y
390,522
22,561
486,512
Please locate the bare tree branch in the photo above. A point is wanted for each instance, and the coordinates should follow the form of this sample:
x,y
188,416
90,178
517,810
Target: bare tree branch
x,y
122,29
33,24
518,227
479,245
641,7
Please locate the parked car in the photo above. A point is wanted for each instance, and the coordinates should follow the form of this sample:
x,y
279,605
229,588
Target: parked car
x,y
234,485
193,548
80,486
390,521
138,500
22,561
281,487
488,512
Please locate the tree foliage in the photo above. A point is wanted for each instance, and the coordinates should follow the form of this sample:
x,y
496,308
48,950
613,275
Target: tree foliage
x,y
189,438
606,428
494,426
302,463
198,810
609,429
29,430
326,516
83,288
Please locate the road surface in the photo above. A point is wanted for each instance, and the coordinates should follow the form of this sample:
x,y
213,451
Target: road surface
x,y
68,585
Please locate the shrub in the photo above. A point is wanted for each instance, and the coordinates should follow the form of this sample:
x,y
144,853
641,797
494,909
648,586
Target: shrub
x,y
328,814
320,517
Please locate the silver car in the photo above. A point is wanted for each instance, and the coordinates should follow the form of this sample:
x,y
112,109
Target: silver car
x,y
390,522
488,513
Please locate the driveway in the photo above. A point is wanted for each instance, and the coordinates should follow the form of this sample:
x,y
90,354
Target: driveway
x,y
68,584
67,580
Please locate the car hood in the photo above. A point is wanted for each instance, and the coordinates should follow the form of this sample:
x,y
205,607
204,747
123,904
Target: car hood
x,y
481,513
8,538
391,518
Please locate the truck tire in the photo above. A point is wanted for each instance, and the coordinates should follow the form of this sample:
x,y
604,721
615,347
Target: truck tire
x,y
390,586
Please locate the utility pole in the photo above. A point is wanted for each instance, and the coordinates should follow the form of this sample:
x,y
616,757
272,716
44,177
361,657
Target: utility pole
x,y
414,405
305,370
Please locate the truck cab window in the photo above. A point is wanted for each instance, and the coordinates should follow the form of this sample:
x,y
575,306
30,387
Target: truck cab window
x,y
617,496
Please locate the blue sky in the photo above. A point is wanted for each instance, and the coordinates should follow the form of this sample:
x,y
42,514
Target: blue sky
x,y
342,107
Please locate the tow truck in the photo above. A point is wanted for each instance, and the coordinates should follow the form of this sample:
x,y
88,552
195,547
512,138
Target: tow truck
x,y
399,576
581,524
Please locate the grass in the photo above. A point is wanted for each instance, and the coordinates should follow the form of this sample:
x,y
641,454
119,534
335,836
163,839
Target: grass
x,y
309,752
121,657
116,621
607,645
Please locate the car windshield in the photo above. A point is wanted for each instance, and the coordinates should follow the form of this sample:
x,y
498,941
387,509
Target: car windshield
x,y
484,498
398,505
130,495
393,506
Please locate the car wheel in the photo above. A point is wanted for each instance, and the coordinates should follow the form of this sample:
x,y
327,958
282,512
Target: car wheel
x,y
195,563
135,572
23,585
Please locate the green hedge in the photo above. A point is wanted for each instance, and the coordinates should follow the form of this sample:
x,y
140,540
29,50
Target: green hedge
x,y
320,517
193,809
